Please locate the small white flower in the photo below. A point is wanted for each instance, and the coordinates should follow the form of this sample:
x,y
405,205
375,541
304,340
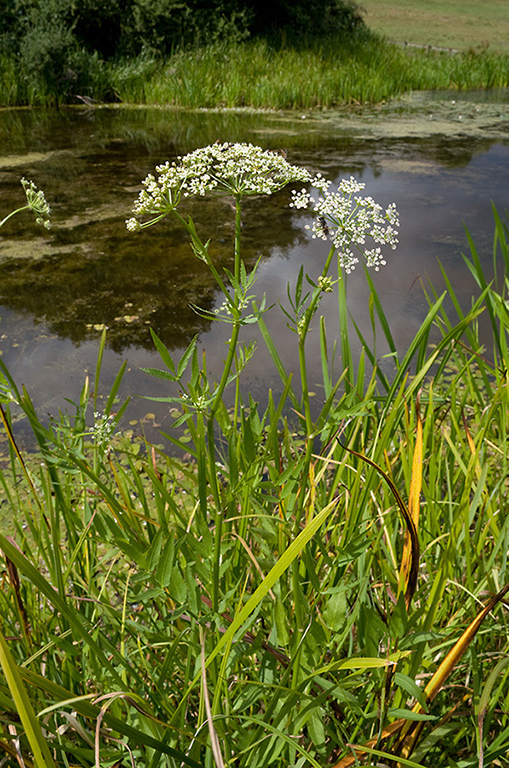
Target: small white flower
x,y
133,225
233,169
347,219
102,432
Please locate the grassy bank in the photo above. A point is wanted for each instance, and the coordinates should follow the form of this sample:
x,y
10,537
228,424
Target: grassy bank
x,y
253,74
298,585
458,24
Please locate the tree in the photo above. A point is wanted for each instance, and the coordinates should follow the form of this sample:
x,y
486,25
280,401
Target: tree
x,y
118,28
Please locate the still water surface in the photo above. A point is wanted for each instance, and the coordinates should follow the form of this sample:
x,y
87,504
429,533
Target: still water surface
x,y
442,160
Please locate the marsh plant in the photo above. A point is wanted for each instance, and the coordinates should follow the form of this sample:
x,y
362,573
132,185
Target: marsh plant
x,y
305,586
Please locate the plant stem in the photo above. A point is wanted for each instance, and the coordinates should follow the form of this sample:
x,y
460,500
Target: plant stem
x,y
304,381
13,213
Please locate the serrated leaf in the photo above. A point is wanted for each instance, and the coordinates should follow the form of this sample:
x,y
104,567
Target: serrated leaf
x,y
158,373
163,352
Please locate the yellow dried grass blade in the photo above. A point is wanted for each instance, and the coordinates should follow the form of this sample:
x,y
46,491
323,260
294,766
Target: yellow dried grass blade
x,y
460,647
413,729
413,504
410,728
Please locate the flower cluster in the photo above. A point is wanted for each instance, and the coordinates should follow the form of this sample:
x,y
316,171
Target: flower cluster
x,y
103,430
326,284
37,203
234,169
346,219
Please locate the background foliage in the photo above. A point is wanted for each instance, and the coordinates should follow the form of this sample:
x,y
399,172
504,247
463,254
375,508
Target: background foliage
x,y
114,28
60,46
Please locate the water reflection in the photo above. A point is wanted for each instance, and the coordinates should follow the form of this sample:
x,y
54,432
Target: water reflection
x,y
442,162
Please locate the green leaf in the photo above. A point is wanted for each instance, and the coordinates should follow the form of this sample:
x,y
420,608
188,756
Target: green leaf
x,y
335,610
178,587
284,562
184,360
165,564
38,744
160,374
163,352
407,714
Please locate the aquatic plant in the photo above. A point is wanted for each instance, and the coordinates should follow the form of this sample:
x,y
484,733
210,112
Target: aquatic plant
x,y
299,588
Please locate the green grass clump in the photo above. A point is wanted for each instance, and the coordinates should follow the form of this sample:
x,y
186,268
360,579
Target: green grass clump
x,y
333,73
299,585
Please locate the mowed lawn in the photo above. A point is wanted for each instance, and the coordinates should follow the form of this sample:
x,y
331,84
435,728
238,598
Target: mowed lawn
x,y
458,24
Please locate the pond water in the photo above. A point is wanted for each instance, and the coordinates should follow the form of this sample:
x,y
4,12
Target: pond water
x,y
441,158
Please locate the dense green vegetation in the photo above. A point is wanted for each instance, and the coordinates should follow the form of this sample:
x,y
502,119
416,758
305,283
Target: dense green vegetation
x,y
217,55
253,74
338,71
60,48
303,582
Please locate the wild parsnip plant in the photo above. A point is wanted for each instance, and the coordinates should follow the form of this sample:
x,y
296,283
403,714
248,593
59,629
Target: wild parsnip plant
x,y
310,590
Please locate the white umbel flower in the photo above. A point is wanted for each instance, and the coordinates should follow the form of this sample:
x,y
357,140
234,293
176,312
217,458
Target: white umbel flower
x,y
349,220
234,169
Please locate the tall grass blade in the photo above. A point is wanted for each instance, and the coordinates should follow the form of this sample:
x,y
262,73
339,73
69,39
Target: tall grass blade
x,y
413,549
484,701
268,582
414,502
216,748
38,744
85,708
76,620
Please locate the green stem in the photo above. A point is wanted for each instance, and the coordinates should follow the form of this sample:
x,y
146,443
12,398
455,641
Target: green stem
x,y
13,213
346,352
232,347
304,382
238,226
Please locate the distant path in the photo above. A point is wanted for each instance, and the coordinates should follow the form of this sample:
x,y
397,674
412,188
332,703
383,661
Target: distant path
x,y
424,47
